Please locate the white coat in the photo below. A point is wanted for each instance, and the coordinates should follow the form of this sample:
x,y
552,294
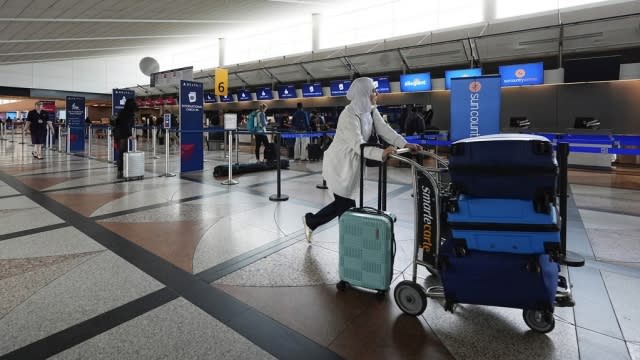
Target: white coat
x,y
341,165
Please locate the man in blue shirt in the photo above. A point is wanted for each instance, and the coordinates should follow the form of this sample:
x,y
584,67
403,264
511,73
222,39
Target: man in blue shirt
x,y
301,123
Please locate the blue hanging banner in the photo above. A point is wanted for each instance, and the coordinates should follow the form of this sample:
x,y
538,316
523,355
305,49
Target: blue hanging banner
x,y
475,106
75,121
191,112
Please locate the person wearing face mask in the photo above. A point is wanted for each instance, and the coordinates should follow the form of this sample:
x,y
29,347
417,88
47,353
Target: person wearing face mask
x,y
37,122
341,165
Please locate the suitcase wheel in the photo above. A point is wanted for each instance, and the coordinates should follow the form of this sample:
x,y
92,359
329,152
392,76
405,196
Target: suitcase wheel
x,y
541,321
410,298
342,285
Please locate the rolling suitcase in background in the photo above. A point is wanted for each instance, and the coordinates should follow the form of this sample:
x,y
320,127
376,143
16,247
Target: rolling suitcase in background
x,y
503,225
367,242
518,166
133,162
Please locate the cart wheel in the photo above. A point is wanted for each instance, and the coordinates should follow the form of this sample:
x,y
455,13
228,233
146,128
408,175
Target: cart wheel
x,y
341,285
410,298
539,320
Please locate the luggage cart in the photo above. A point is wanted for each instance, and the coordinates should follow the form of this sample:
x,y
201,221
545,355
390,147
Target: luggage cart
x,y
431,188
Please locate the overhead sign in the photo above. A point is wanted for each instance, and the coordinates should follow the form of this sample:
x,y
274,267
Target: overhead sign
x,y
382,84
311,90
244,95
75,111
450,74
475,106
226,99
191,113
415,82
210,98
166,121
119,98
221,82
522,74
287,92
339,87
171,77
264,94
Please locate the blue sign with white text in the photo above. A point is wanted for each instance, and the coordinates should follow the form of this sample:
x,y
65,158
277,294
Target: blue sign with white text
x,y
415,82
264,94
191,113
522,74
244,95
287,92
210,98
450,74
227,98
340,87
75,120
475,106
118,98
311,90
382,84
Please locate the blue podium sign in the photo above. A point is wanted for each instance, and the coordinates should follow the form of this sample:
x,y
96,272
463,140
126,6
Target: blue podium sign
x,y
191,112
475,106
75,121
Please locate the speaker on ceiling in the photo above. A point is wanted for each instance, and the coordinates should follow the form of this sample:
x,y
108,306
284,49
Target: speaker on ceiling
x,y
149,65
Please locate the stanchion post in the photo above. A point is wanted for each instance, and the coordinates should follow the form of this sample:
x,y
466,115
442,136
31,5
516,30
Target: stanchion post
x,y
154,134
166,154
278,196
109,145
230,180
89,145
68,139
59,138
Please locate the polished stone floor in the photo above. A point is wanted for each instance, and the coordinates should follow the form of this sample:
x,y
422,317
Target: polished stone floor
x,y
187,268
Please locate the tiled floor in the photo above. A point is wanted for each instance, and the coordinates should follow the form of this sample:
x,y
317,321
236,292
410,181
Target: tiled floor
x,y
185,267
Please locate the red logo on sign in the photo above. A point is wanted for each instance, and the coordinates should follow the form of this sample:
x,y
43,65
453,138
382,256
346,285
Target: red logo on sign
x,y
475,86
520,73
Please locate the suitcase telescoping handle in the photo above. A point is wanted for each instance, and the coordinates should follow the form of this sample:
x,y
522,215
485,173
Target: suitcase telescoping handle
x,y
132,145
382,179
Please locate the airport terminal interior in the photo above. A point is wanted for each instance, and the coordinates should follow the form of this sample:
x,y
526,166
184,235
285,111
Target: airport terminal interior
x,y
193,264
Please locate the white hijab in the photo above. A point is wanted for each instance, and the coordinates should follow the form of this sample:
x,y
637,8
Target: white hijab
x,y
359,93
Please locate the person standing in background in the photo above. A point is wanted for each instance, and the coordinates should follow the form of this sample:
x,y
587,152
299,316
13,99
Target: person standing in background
x,y
301,123
122,135
38,121
260,128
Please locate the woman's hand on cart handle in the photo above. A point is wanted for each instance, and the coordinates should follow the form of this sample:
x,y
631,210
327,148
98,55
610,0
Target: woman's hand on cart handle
x,y
389,150
413,147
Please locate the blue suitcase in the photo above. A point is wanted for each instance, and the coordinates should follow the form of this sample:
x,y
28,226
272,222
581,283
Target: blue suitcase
x,y
528,282
503,225
518,166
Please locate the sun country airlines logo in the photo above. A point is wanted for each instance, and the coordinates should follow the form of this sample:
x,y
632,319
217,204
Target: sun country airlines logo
x,y
520,73
475,86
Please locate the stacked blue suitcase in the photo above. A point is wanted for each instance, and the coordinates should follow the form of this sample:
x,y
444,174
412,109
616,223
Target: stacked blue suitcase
x,y
503,223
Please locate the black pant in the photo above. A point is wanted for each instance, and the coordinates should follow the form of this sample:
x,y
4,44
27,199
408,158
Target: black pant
x,y
123,145
329,212
260,139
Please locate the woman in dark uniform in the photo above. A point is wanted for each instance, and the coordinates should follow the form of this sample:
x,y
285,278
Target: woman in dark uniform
x,y
124,123
37,121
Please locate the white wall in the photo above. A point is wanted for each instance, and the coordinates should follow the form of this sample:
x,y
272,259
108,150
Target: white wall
x,y
86,75
629,71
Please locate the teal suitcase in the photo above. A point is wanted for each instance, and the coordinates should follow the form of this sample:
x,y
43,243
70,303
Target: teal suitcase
x,y
366,249
367,243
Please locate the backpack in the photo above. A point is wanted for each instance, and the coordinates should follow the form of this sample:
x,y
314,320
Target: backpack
x,y
251,121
